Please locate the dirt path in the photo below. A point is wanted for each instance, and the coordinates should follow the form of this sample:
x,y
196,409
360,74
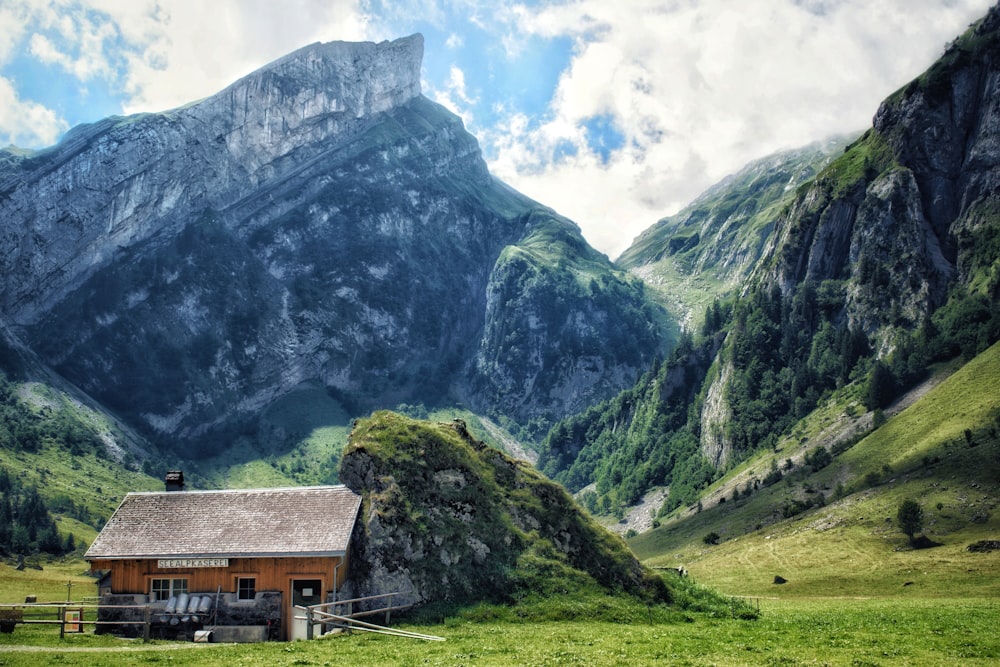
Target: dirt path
x,y
106,649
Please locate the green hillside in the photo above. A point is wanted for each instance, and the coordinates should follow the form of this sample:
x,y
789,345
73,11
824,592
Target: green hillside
x,y
833,531
74,456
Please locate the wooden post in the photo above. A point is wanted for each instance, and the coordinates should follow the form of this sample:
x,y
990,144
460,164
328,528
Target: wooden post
x,y
388,610
62,622
309,623
147,617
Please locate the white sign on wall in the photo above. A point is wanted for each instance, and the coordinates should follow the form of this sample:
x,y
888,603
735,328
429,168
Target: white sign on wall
x,y
167,563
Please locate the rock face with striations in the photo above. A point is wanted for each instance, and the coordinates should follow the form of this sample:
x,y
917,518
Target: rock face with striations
x,y
317,221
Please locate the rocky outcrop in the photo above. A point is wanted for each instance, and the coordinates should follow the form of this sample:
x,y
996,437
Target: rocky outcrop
x,y
319,221
536,312
445,517
715,414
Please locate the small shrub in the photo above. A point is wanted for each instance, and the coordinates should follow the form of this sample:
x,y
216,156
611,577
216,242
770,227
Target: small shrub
x,y
711,538
818,459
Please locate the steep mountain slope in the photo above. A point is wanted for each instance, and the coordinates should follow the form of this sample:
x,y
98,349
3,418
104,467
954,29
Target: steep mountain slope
x,y
708,249
318,222
882,264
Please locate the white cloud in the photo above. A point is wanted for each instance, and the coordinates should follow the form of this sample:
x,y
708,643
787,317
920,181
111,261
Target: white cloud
x,y
701,88
13,21
76,39
454,96
26,123
196,49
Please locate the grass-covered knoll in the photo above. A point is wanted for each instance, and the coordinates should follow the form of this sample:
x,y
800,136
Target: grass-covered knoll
x,y
463,522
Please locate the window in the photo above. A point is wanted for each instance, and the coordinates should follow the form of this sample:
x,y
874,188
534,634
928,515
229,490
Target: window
x,y
164,589
246,588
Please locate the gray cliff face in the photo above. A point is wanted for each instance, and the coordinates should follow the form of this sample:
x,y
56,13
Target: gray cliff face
x,y
899,215
549,327
117,182
318,220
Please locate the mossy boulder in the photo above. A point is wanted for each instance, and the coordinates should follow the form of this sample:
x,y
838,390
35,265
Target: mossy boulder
x,y
447,518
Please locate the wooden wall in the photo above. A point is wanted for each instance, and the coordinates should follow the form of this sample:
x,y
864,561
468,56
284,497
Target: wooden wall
x,y
272,574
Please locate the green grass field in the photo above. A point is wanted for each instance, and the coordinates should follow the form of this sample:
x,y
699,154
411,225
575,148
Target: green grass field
x,y
947,616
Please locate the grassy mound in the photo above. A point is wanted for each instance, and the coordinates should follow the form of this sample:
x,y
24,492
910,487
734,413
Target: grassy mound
x,y
463,523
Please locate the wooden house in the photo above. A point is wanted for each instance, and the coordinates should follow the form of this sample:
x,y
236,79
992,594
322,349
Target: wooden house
x,y
249,555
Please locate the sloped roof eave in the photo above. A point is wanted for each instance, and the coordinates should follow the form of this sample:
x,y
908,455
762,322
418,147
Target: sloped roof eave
x,y
268,554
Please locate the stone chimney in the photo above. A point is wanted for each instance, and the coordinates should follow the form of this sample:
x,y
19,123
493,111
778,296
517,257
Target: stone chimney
x,y
174,481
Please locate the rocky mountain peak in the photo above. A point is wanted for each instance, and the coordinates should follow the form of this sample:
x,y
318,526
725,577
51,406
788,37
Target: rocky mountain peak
x,y
301,97
120,180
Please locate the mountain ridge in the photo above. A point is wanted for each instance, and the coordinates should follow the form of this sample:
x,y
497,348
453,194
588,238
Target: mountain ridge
x,y
235,133
317,221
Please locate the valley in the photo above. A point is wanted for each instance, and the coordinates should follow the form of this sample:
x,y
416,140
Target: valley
x,y
542,436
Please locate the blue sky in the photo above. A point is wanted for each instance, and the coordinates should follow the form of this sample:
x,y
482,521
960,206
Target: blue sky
x,y
613,112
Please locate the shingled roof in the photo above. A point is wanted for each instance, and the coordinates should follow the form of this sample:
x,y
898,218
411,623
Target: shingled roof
x,y
298,521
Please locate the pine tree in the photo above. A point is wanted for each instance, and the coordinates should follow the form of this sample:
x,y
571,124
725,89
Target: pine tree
x,y
910,518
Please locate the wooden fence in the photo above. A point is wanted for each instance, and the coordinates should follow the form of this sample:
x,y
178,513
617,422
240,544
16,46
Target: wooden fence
x,y
71,617
341,614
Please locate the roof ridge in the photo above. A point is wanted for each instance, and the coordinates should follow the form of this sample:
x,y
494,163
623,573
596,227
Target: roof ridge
x,y
253,490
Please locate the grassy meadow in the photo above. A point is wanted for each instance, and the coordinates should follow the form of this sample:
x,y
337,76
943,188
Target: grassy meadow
x,y
806,621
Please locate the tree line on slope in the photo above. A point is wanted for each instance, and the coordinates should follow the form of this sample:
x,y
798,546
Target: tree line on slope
x,y
23,428
26,525
787,353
